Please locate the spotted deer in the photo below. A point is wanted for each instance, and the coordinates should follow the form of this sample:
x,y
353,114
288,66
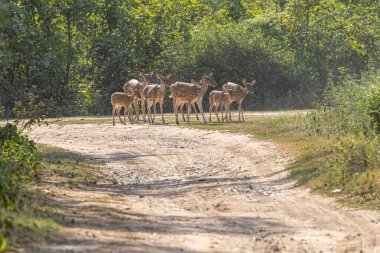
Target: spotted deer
x,y
187,93
136,87
120,100
237,93
153,94
192,105
218,97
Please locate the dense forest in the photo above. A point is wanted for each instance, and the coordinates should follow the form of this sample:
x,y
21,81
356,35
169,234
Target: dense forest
x,y
69,56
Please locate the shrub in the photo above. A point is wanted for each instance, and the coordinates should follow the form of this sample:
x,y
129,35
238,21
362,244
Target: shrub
x,y
18,164
352,107
349,113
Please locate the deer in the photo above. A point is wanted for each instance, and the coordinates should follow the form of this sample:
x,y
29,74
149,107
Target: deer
x,y
237,93
136,87
219,97
153,94
120,100
192,105
188,93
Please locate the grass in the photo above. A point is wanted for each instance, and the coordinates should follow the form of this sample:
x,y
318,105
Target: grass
x,y
36,218
66,166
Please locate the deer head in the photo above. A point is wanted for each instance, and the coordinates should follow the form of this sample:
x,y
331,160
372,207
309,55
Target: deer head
x,y
207,79
248,86
164,79
146,78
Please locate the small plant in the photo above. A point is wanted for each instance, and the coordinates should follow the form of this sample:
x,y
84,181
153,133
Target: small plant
x,y
30,114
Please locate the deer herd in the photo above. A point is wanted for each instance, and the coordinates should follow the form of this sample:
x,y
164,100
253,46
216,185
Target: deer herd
x,y
182,93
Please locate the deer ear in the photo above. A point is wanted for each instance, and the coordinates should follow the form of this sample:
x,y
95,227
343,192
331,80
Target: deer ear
x,y
204,75
158,76
168,76
253,82
244,82
210,75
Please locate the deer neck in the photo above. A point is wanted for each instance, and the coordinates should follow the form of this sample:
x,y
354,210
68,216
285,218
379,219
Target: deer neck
x,y
162,86
246,90
144,84
203,89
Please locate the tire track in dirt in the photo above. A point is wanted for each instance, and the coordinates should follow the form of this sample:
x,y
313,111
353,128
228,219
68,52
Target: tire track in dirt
x,y
172,189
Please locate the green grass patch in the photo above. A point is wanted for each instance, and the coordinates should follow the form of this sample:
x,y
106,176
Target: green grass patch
x,y
66,166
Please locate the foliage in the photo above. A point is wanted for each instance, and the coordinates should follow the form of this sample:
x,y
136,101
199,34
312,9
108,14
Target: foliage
x,y
292,52
72,55
30,114
18,164
349,114
353,107
251,49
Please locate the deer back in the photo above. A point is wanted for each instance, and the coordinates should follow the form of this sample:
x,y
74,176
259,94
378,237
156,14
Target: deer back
x,y
184,91
121,98
234,90
152,91
219,96
131,86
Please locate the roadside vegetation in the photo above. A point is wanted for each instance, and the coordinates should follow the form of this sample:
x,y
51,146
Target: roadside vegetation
x,y
72,55
27,212
336,147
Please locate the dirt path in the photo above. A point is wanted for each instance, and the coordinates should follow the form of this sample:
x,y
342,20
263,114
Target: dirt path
x,y
174,189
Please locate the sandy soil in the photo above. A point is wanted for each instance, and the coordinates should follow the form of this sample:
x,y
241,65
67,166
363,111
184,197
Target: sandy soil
x,y
173,189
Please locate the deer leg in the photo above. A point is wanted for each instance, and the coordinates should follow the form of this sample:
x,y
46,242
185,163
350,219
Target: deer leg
x,y
118,114
211,106
226,110
229,111
201,110
216,112
239,109
242,115
183,115
143,108
130,114
148,107
125,113
221,108
195,110
188,112
175,106
162,111
113,116
154,111
137,109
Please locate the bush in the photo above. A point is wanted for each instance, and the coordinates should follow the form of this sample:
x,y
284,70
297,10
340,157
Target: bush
x,y
18,164
352,107
251,49
354,167
349,113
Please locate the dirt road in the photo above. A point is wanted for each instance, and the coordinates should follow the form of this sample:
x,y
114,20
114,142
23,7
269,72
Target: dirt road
x,y
172,189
